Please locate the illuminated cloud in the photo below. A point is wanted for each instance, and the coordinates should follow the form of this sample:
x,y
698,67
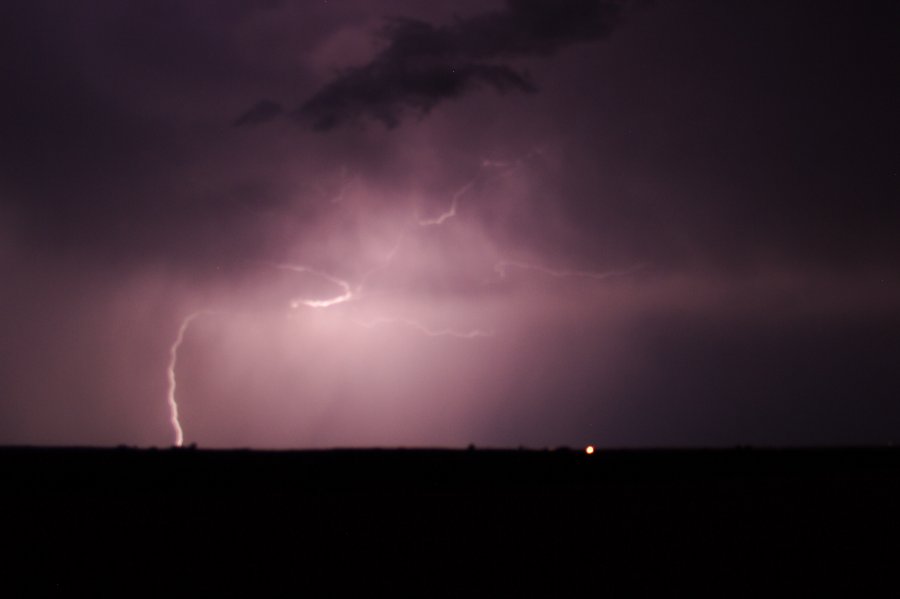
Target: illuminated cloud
x,y
686,238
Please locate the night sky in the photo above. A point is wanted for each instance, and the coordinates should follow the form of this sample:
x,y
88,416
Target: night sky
x,y
401,223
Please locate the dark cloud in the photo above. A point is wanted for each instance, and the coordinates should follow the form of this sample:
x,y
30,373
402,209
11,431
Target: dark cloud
x,y
383,92
423,64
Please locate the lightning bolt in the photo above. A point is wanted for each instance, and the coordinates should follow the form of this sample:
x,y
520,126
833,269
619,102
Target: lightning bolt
x,y
451,212
350,294
503,168
346,295
170,371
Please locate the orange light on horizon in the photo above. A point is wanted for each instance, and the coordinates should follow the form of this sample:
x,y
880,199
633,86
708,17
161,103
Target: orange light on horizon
x,y
589,450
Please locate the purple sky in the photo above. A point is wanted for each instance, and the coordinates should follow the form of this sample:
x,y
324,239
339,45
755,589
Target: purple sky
x,y
398,223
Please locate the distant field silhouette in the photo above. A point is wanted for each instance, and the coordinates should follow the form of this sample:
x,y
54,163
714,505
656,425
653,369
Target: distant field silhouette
x,y
448,523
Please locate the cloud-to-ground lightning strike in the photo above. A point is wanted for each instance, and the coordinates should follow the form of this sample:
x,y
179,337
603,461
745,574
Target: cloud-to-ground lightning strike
x,y
173,363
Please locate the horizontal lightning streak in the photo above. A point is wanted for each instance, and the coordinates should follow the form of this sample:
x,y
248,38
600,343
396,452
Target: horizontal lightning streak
x,y
429,332
346,296
503,266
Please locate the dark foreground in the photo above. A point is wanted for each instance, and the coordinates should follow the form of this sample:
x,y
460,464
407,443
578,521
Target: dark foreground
x,y
448,523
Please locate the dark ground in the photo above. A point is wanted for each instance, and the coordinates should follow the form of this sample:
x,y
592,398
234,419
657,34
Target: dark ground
x,y
449,523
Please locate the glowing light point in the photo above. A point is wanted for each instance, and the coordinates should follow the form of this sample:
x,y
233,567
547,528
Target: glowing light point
x,y
589,450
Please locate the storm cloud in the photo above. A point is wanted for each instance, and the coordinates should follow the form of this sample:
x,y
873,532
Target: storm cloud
x,y
424,64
